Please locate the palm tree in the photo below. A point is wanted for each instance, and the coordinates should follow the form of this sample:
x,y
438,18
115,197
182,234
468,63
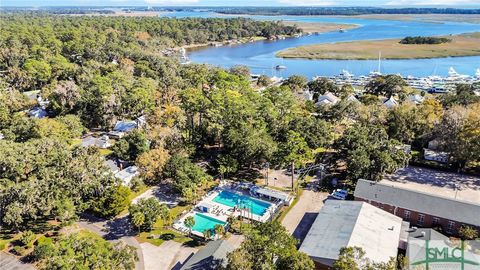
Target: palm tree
x,y
189,222
219,230
207,234
164,214
138,219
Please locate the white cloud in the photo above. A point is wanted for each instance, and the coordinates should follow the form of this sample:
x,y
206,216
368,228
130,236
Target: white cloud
x,y
309,2
432,2
172,2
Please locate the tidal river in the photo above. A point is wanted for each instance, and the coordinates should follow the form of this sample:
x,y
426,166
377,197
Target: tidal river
x,y
260,56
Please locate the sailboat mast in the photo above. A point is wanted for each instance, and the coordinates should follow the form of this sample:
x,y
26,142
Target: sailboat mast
x,y
379,60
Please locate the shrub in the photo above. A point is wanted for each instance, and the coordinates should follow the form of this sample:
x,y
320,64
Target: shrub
x,y
27,238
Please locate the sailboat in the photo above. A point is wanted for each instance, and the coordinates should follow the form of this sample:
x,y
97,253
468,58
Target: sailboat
x,y
377,73
183,57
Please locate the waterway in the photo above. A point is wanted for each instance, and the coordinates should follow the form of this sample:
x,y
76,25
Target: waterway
x,y
260,56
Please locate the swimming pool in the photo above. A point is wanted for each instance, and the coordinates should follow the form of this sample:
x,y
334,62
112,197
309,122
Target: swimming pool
x,y
231,199
203,223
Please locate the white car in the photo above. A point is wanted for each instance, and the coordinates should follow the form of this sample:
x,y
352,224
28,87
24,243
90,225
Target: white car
x,y
339,194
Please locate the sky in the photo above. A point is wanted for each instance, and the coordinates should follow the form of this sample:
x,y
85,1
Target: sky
x,y
386,3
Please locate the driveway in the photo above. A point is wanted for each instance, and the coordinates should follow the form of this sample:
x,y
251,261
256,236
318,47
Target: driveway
x,y
301,217
163,193
10,262
166,256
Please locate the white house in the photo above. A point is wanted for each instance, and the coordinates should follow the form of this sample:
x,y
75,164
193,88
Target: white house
x,y
352,99
416,99
126,175
112,165
327,99
102,142
390,103
307,95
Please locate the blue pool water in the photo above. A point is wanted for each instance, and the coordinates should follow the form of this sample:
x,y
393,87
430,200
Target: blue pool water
x,y
203,223
231,199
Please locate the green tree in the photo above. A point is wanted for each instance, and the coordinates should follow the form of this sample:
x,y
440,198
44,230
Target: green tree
x,y
242,71
269,246
138,219
296,82
322,85
353,258
369,153
263,81
207,234
84,251
165,214
131,146
386,85
27,238
219,230
150,208
189,222
113,202
295,151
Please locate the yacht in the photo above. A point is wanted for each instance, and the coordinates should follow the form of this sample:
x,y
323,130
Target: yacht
x,y
280,67
453,75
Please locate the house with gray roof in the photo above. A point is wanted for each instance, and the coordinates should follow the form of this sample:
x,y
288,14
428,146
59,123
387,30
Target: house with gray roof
x,y
327,99
419,208
102,142
348,224
126,175
211,257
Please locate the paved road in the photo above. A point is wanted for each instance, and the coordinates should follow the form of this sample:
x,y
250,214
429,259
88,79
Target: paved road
x,y
10,262
118,229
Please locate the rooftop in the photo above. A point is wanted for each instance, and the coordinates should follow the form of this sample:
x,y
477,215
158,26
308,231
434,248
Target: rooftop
x,y
211,256
451,185
429,202
352,223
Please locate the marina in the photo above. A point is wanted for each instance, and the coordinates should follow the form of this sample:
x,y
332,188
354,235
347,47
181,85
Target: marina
x,y
431,84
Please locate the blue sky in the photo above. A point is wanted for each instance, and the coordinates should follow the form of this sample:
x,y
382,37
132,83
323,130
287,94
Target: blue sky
x,y
432,3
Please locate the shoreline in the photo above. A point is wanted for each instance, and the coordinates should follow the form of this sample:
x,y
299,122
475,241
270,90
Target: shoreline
x,y
463,45
315,28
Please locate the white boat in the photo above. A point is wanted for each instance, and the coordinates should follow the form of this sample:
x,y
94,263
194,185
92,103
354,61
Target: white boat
x,y
377,73
453,75
477,74
280,67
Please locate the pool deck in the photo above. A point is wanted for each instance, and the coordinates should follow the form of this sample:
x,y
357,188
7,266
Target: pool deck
x,y
222,212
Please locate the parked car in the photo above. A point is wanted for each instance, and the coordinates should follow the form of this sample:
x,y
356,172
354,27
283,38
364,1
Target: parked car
x,y
339,194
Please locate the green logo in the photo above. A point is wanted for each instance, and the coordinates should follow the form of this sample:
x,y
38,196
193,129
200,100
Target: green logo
x,y
443,254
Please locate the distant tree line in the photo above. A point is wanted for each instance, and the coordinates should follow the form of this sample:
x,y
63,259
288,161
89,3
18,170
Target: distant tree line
x,y
424,40
339,10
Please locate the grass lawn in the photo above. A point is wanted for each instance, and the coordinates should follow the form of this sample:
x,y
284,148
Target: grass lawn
x,y
105,152
162,233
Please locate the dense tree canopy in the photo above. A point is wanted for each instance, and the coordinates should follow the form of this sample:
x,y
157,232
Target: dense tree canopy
x,y
83,251
269,246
